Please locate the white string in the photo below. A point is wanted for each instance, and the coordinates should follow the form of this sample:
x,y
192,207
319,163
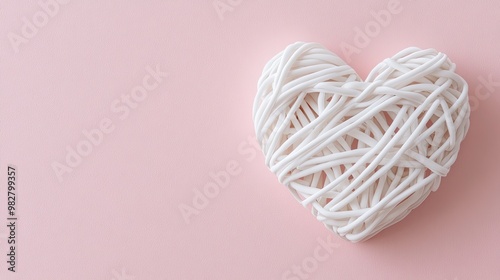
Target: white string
x,y
363,154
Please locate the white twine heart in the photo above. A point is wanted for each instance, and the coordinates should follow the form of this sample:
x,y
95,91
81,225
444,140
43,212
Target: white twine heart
x,y
363,154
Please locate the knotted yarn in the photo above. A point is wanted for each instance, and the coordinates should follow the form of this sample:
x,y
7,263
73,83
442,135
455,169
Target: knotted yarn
x,y
361,154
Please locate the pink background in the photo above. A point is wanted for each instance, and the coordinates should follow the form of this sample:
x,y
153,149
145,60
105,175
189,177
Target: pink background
x,y
116,215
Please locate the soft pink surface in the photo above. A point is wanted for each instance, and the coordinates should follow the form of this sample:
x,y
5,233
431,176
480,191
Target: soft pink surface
x,y
117,214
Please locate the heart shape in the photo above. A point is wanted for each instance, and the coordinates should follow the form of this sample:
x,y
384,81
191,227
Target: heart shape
x,y
363,154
